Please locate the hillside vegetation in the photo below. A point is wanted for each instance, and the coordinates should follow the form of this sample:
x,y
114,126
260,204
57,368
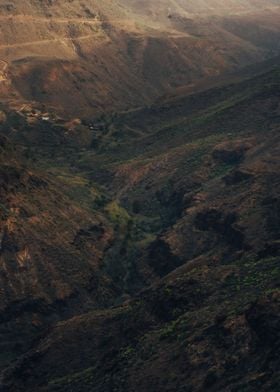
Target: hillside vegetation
x,y
178,220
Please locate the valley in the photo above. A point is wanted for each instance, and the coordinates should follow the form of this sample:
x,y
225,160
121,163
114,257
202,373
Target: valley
x,y
139,196
173,209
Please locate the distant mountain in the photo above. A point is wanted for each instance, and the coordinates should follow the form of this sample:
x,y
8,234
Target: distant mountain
x,y
97,56
199,7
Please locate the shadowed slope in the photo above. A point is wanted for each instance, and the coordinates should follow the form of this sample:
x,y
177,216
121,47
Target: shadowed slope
x,y
210,319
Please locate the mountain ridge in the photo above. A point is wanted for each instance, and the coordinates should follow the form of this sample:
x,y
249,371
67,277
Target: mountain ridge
x,y
112,57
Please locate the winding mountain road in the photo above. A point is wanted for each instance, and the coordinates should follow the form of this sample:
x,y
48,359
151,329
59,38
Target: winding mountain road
x,y
33,18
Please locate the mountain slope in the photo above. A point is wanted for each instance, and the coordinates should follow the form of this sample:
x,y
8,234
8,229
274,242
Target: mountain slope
x,y
50,254
204,169
139,195
112,56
